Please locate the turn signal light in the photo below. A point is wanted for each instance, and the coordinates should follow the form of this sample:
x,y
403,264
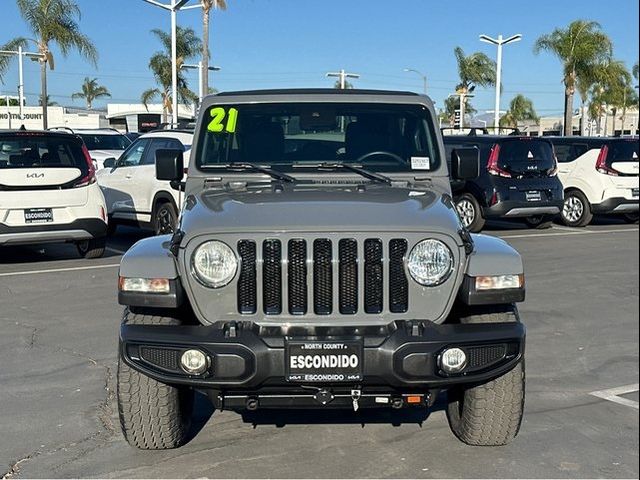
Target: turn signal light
x,y
499,282
144,285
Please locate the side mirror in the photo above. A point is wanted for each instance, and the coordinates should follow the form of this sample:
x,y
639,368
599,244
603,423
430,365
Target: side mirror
x,y
169,165
465,163
109,162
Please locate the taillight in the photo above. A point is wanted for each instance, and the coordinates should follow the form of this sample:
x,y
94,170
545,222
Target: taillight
x,y
492,165
601,163
90,177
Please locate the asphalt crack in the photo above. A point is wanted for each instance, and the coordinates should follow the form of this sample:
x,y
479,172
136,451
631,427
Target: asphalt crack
x,y
14,469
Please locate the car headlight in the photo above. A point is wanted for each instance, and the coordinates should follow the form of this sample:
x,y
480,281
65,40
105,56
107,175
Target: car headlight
x,y
214,264
430,262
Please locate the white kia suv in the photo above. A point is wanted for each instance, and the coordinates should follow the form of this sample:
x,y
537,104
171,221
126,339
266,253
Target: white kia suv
x,y
133,195
48,192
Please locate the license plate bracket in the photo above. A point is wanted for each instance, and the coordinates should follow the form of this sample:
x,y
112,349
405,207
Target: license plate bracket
x,y
38,215
324,361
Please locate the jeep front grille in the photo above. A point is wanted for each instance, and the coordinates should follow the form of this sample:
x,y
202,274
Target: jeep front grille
x,y
317,276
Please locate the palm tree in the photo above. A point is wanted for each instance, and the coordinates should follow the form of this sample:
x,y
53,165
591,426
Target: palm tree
x,y
49,103
347,85
580,47
207,5
188,46
54,22
91,91
474,69
635,70
520,110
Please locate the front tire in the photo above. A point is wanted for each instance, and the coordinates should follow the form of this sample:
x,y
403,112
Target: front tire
x,y
153,415
470,212
630,217
576,211
489,414
165,219
93,248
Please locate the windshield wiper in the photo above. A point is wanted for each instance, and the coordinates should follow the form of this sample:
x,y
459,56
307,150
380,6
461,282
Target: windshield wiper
x,y
250,167
377,177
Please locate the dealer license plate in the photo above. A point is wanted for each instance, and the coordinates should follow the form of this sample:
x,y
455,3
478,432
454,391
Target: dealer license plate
x,y
533,196
38,215
635,192
323,361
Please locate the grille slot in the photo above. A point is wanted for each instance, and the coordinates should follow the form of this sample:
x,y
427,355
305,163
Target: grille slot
x,y
372,276
247,288
322,277
297,277
398,283
480,357
164,358
272,277
348,276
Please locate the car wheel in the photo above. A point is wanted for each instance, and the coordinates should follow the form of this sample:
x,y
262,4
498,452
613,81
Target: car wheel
x,y
165,219
630,217
540,222
93,248
576,211
153,415
490,413
470,212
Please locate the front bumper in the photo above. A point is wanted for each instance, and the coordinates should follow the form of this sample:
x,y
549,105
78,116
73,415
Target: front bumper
x,y
246,357
78,230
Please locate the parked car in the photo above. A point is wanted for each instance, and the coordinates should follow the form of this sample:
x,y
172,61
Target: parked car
x,y
102,143
331,272
48,192
518,179
599,175
133,194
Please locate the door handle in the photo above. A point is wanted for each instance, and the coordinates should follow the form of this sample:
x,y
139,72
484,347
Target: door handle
x,y
128,176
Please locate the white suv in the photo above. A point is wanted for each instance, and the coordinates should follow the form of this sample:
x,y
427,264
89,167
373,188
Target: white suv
x,y
600,176
48,192
102,143
131,190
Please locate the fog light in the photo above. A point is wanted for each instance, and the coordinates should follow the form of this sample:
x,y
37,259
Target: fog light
x,y
194,362
453,360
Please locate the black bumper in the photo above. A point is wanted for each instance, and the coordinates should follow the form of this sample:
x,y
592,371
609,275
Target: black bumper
x,y
616,205
95,227
248,358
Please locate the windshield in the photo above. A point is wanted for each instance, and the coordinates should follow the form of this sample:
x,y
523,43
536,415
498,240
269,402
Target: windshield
x,y
53,151
381,137
105,142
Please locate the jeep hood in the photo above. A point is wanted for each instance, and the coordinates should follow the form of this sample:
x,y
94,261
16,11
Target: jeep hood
x,y
312,209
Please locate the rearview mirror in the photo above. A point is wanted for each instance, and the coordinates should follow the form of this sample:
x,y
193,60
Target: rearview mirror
x,y
465,163
109,162
169,165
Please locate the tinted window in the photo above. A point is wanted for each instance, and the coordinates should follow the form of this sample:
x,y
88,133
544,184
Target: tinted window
x,y
288,134
133,155
526,156
623,151
569,152
28,150
158,144
105,142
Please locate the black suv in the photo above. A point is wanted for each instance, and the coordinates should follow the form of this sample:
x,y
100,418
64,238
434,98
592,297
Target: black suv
x,y
518,179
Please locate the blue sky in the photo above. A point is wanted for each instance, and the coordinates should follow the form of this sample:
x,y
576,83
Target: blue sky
x,y
292,43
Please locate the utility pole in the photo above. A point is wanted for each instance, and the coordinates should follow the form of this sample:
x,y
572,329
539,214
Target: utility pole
x,y
21,54
342,75
499,42
462,97
424,77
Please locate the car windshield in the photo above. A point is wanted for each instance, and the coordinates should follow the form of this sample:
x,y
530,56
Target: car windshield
x,y
95,141
51,151
392,138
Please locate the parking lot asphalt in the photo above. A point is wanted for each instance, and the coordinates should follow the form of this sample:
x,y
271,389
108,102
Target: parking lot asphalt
x,y
59,318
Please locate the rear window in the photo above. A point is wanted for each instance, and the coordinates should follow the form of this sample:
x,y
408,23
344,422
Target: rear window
x,y
526,156
623,151
105,142
28,150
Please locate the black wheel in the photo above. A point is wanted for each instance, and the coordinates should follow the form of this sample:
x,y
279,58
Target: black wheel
x,y
490,413
93,248
470,212
541,222
165,219
577,209
153,416
630,217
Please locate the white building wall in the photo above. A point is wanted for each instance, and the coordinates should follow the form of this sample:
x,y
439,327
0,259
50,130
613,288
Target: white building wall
x,y
32,118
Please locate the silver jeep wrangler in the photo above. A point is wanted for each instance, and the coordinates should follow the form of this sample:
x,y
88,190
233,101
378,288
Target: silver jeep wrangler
x,y
319,262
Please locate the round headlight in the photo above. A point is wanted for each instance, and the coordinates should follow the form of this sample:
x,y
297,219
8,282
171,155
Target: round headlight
x,y
430,262
214,264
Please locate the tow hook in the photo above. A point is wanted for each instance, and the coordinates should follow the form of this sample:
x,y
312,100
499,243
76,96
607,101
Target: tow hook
x,y
355,396
323,396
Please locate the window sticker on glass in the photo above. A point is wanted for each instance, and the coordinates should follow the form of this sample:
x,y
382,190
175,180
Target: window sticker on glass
x,y
420,163
223,120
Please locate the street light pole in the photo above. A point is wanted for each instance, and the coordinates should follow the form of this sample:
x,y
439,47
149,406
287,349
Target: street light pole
x,y
424,77
200,68
499,42
343,77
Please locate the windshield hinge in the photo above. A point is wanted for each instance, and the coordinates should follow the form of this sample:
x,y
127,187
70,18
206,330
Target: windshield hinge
x,y
174,246
467,240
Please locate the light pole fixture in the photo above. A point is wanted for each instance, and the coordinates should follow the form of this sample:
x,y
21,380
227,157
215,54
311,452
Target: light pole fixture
x,y
342,75
174,7
21,53
500,41
198,66
424,77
